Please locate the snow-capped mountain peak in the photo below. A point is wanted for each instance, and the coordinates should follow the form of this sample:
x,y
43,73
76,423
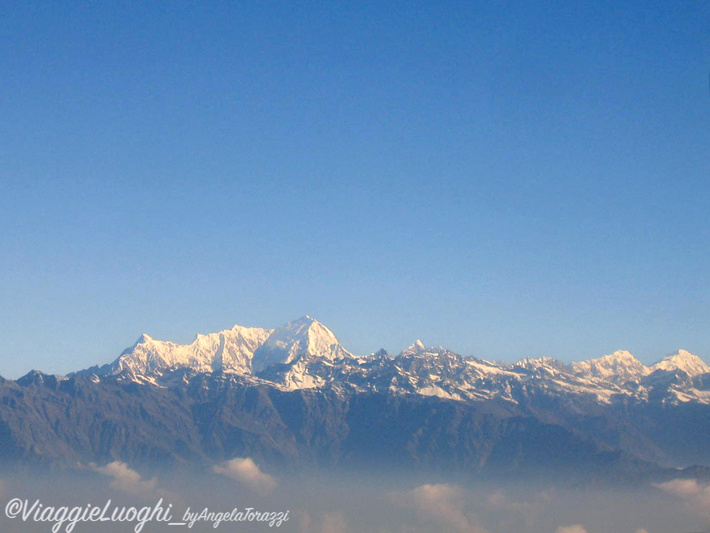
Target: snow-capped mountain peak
x,y
417,347
685,361
229,350
306,354
300,337
143,339
538,363
616,367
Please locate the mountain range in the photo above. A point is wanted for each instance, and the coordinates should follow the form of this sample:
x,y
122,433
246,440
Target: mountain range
x,y
294,396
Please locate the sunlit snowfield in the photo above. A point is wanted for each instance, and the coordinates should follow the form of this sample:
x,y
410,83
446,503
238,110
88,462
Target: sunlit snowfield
x,y
364,503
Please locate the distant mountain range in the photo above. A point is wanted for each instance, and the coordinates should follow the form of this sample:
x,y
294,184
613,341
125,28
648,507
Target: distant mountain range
x,y
295,397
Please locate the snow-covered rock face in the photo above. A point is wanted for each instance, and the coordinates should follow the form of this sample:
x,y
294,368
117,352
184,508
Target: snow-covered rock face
x,y
239,350
417,347
683,361
305,354
617,367
538,364
304,336
230,351
621,366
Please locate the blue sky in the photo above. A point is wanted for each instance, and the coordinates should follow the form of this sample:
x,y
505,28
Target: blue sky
x,y
505,179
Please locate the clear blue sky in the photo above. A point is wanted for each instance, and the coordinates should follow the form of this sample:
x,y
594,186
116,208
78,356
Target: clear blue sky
x,y
506,179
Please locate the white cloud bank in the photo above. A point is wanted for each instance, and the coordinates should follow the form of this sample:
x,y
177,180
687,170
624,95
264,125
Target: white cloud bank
x,y
575,528
696,495
245,471
440,504
129,481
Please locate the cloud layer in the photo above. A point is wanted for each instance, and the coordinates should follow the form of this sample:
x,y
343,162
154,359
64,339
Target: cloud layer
x,y
695,494
129,481
441,504
575,528
245,471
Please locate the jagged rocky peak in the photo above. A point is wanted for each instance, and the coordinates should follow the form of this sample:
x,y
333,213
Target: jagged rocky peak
x,y
537,363
417,347
684,361
305,336
616,367
35,377
306,354
144,338
230,350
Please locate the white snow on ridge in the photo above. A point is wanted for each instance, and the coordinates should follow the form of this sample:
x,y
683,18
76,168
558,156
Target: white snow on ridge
x,y
621,366
229,350
302,336
684,361
417,347
616,367
311,357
